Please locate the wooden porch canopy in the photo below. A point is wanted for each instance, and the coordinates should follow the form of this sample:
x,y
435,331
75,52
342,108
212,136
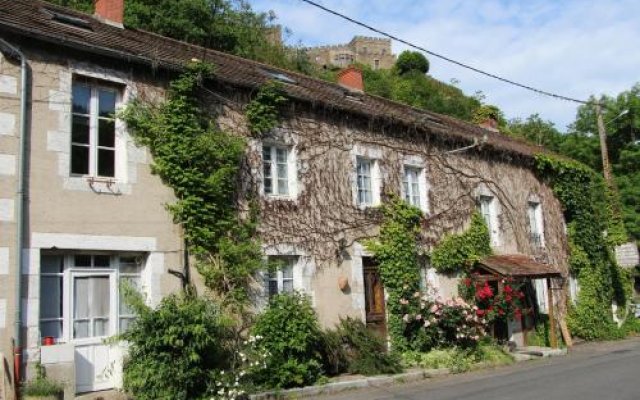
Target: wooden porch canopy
x,y
521,267
517,266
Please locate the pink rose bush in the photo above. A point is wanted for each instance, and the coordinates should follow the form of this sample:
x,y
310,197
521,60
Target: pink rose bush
x,y
442,323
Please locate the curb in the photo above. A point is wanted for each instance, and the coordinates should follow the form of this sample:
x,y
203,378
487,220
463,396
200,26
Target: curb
x,y
336,387
385,380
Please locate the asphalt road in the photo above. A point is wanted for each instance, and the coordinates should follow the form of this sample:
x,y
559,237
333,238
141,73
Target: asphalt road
x,y
602,371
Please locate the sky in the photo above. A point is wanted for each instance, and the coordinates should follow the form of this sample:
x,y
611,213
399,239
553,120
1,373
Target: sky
x,y
571,47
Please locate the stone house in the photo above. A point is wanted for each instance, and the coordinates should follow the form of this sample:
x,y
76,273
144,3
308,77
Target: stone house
x,y
80,210
372,51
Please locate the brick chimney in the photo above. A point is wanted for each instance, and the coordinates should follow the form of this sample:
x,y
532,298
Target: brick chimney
x,y
110,11
490,124
351,78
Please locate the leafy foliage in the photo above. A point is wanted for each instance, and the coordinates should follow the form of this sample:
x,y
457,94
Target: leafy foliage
x,y
42,386
263,111
200,163
409,61
458,360
581,192
416,89
459,252
352,347
396,251
174,348
290,333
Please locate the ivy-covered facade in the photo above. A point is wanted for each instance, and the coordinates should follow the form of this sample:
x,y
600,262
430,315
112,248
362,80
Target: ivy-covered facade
x,y
269,180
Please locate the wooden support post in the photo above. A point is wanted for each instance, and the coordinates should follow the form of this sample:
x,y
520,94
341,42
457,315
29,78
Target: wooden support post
x,y
553,339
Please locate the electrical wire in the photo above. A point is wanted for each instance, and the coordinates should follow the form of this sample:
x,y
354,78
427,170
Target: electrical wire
x,y
445,58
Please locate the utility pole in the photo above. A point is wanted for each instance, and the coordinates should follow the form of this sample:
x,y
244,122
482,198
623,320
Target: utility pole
x,y
606,166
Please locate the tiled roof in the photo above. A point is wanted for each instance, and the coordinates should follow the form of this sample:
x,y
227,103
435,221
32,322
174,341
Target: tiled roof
x,y
38,20
517,266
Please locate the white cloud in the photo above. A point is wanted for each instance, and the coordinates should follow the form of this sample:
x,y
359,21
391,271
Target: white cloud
x,y
575,47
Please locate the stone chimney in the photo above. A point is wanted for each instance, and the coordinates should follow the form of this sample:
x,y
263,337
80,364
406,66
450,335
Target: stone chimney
x,y
351,78
110,11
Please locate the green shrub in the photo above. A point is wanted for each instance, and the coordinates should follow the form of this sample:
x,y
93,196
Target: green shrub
x,y
412,61
354,348
289,331
456,359
42,386
174,348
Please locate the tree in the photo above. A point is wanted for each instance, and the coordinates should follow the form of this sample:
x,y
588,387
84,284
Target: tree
x,y
412,61
536,130
622,133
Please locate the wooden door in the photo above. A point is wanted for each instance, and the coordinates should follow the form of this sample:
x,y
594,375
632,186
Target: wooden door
x,y
374,297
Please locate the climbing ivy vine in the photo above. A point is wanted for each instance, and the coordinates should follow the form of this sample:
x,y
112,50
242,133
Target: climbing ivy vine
x,y
459,252
263,111
201,164
588,213
397,252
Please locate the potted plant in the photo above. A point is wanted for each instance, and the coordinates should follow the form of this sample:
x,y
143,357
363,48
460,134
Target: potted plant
x,y
42,388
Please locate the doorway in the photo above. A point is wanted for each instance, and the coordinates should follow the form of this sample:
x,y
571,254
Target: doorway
x,y
93,319
375,313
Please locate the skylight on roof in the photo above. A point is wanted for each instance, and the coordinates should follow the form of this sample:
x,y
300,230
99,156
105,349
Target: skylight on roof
x,y
279,76
67,19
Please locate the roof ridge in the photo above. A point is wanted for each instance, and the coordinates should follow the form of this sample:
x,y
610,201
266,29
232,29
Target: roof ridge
x,y
131,43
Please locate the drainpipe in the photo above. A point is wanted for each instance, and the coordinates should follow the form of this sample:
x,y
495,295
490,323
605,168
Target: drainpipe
x,y
15,53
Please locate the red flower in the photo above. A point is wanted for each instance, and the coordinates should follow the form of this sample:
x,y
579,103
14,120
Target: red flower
x,y
508,297
501,312
508,289
480,312
467,282
485,292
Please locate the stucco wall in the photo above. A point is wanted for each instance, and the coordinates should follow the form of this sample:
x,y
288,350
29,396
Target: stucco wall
x,y
322,221
68,211
9,144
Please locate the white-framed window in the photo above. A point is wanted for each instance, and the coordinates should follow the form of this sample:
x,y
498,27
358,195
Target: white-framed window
x,y
376,64
80,294
536,231
488,209
280,280
367,187
93,129
278,170
364,171
414,189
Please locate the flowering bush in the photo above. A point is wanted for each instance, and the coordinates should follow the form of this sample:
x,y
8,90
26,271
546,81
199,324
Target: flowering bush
x,y
447,323
504,306
234,384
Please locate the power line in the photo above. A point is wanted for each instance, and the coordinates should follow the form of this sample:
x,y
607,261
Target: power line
x,y
445,58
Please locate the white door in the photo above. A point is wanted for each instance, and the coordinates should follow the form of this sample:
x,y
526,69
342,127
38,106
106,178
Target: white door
x,y
93,319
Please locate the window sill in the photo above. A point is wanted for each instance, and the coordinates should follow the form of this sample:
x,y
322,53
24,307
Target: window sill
x,y
269,197
96,184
